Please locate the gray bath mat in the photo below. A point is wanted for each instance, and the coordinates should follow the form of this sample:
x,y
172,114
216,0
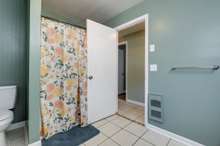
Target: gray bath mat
x,y
73,137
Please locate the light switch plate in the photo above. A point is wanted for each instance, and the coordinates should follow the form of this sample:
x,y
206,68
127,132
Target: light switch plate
x,y
153,67
152,48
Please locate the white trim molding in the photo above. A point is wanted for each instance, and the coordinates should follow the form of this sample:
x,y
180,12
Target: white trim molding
x,y
16,125
173,136
131,23
38,143
135,102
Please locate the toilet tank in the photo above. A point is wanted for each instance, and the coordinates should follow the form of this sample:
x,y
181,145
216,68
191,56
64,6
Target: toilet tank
x,y
7,97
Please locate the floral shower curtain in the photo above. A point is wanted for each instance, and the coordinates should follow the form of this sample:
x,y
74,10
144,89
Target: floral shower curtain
x,y
63,72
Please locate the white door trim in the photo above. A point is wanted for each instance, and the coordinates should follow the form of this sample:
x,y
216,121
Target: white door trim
x,y
131,23
126,68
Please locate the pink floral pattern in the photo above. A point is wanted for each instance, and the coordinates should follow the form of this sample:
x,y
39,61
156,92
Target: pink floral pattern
x,y
63,72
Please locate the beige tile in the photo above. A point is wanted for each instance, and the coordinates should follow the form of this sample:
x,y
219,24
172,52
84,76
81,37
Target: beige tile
x,y
125,109
109,129
141,112
142,143
131,111
141,108
136,129
140,119
155,138
100,123
14,134
121,101
121,112
120,104
175,143
121,122
109,142
16,137
112,117
132,115
124,138
17,142
124,112
131,104
96,140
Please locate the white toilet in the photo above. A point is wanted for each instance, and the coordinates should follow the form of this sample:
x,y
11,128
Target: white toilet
x,y
7,102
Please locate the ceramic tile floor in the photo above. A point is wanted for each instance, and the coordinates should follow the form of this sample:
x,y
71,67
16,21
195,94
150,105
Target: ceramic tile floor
x,y
131,111
16,137
119,131
114,131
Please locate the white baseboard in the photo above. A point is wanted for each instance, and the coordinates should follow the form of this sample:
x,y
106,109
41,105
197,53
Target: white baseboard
x,y
174,136
16,125
38,143
135,102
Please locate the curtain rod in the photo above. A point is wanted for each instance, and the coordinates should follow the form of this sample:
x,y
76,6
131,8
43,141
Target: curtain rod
x,y
63,22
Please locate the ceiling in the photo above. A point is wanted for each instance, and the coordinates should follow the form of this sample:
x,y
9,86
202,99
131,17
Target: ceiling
x,y
97,10
133,29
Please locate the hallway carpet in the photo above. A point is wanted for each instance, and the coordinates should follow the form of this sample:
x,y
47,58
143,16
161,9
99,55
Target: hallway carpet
x,y
73,137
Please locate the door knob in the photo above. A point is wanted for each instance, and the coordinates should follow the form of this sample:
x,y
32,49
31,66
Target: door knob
x,y
90,77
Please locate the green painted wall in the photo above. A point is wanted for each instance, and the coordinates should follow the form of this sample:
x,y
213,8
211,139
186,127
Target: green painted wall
x,y
13,51
34,71
186,32
135,66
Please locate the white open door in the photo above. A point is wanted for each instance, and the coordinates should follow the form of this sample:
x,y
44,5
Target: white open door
x,y
102,71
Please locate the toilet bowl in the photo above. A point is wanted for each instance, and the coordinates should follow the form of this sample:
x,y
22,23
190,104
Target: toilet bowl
x,y
6,117
7,98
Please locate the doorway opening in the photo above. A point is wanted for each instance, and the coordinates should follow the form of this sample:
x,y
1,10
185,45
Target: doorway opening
x,y
122,49
131,72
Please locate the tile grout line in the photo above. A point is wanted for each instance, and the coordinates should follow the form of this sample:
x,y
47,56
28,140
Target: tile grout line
x,y
130,124
121,128
130,119
147,140
124,128
115,141
111,135
139,138
110,121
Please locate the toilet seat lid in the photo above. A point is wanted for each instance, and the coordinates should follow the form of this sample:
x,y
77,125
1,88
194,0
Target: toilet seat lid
x,y
5,114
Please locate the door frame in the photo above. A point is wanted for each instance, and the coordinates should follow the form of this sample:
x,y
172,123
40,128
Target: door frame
x,y
126,65
131,23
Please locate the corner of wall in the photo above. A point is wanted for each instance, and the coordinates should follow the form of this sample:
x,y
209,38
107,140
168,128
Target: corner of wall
x,y
34,71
